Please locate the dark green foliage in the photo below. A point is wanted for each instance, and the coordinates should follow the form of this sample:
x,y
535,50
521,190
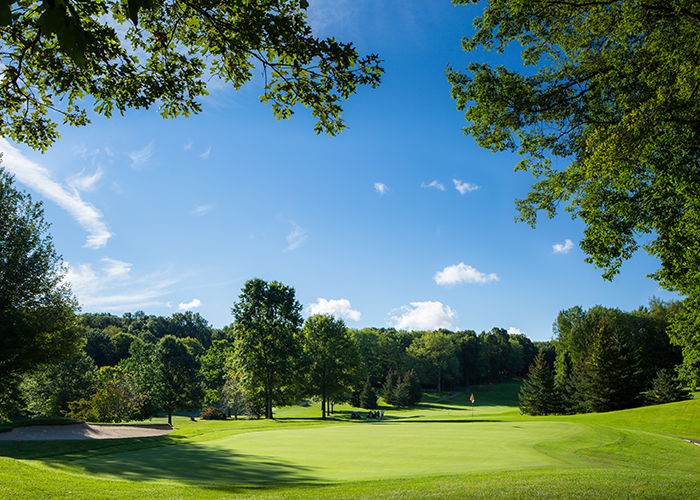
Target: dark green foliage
x,y
415,392
666,389
355,399
48,391
606,357
368,398
538,394
213,413
115,399
402,391
178,384
389,388
609,375
100,348
38,325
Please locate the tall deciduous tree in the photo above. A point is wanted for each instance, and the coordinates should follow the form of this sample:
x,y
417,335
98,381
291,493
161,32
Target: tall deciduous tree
x,y
607,118
178,384
268,348
136,53
38,322
332,358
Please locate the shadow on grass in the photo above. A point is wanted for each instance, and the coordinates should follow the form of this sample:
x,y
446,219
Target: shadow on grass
x,y
169,458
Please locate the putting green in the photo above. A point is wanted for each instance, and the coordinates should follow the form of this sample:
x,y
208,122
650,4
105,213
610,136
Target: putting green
x,y
351,452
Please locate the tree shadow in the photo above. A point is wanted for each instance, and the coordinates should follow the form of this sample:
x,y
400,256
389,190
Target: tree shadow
x,y
187,462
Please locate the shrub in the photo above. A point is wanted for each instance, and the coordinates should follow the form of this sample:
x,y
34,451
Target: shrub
x,y
213,413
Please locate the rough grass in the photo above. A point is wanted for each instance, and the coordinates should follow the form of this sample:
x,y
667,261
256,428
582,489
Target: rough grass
x,y
437,451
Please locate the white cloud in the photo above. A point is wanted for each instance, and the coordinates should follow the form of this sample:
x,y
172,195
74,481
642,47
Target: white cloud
x,y
333,307
39,179
424,316
565,248
140,158
515,331
434,184
113,288
85,183
116,268
464,187
462,273
381,188
187,146
297,237
205,155
189,305
203,209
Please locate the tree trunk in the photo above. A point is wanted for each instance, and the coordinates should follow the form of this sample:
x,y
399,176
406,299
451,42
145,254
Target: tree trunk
x,y
439,388
170,419
323,408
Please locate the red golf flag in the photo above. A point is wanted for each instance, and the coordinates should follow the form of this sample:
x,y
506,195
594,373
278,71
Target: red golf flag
x,y
472,398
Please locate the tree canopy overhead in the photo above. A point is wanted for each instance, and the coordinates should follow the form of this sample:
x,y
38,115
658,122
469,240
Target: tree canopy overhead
x,y
606,117
60,57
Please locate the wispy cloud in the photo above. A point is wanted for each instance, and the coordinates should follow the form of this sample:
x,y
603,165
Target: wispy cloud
x,y
112,287
464,187
85,183
39,179
423,316
565,248
188,145
515,331
203,209
190,305
333,307
205,155
462,273
381,188
297,237
435,184
116,269
140,158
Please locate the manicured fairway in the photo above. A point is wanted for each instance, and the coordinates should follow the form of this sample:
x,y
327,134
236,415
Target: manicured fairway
x,y
427,452
348,452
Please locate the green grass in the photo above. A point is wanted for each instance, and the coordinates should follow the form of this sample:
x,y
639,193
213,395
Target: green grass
x,y
436,451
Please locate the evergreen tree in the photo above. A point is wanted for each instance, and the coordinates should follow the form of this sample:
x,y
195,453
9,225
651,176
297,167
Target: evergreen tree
x,y
389,388
368,398
666,389
415,391
609,378
539,394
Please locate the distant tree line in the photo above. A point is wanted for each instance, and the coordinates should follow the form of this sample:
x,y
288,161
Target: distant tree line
x,y
136,365
606,359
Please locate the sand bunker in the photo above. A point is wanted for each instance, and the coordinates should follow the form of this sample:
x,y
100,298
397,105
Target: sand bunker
x,y
83,431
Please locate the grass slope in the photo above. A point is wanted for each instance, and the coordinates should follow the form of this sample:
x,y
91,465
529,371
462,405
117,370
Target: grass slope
x,y
436,451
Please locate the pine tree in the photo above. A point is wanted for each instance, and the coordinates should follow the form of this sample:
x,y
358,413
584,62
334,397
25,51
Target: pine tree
x,y
368,398
389,388
415,391
608,377
539,395
666,389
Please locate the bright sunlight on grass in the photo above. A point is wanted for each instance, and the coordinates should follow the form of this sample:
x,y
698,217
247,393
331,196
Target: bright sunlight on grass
x,y
430,451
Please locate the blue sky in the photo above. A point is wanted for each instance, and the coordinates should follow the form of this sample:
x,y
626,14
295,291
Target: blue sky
x,y
399,221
